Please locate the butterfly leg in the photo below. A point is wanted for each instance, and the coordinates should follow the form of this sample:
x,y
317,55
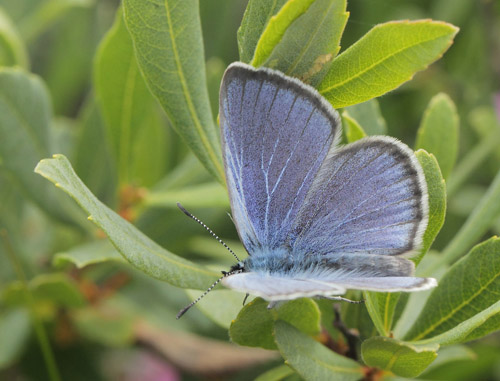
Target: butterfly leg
x,y
341,299
271,304
246,297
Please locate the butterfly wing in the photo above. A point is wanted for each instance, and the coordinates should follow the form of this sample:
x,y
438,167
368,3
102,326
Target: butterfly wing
x,y
275,133
278,288
369,197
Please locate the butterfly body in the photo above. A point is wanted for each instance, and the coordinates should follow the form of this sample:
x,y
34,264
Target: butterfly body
x,y
316,218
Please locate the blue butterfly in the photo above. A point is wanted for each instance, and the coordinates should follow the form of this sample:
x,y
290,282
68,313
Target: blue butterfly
x,y
316,218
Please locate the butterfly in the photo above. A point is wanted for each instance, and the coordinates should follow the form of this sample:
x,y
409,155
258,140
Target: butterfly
x,y
315,217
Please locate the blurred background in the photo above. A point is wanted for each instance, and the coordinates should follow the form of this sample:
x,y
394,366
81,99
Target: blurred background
x,y
106,321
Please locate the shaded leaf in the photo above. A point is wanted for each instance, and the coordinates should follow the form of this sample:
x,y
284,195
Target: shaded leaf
x,y
255,323
276,374
438,132
195,196
12,49
15,329
383,59
311,42
169,50
353,130
255,20
276,28
312,360
127,106
468,290
136,247
25,137
88,254
369,117
403,359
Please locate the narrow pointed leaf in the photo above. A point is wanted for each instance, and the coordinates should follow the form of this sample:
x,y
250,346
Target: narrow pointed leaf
x,y
135,247
276,374
255,323
276,28
12,49
353,131
369,117
88,254
400,358
169,50
127,105
311,42
195,196
26,138
312,360
383,59
255,20
470,286
438,132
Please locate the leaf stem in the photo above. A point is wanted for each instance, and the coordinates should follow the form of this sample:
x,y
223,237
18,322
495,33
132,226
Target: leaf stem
x,y
41,333
476,225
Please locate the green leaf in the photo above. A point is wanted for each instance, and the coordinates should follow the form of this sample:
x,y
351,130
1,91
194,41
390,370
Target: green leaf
x,y
449,355
135,246
255,20
466,292
311,42
383,59
276,28
369,117
12,49
220,306
15,329
476,225
92,160
438,132
88,254
353,130
169,50
104,326
312,360
255,323
276,374
436,189
400,358
26,138
57,288
195,196
381,306
126,103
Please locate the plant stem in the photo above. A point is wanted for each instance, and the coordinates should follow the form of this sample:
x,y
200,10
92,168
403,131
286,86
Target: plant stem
x,y
40,331
472,161
476,225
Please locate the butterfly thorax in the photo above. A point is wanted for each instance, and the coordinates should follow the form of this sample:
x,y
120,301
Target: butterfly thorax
x,y
281,262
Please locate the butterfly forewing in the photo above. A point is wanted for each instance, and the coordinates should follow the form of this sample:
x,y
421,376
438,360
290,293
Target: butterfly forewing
x,y
275,134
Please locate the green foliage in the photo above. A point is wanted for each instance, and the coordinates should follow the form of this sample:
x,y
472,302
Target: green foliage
x,y
136,247
387,56
312,360
170,55
122,94
401,358
438,132
255,323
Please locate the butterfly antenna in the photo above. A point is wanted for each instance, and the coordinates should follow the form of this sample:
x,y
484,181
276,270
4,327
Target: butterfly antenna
x,y
213,235
185,309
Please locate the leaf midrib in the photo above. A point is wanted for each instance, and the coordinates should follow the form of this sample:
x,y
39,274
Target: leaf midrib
x,y
454,311
187,97
377,63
